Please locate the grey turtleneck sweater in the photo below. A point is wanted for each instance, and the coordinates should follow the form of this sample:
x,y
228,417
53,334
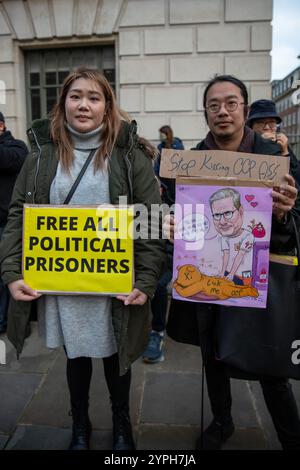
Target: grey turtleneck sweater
x,y
92,189
82,323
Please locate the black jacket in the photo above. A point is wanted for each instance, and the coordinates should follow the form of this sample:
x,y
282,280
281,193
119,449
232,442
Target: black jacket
x,y
12,155
184,324
295,166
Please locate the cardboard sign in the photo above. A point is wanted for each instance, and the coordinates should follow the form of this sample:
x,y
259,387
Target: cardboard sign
x,y
219,163
221,243
78,250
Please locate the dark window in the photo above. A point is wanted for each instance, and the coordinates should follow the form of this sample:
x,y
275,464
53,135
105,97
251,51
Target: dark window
x,y
35,102
46,70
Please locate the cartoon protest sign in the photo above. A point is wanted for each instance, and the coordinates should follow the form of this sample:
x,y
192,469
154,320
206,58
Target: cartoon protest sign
x,y
222,238
78,250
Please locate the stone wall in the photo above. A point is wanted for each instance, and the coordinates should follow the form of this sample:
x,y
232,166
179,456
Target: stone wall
x,y
165,51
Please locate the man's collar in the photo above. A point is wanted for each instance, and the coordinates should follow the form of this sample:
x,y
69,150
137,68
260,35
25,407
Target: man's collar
x,y
246,144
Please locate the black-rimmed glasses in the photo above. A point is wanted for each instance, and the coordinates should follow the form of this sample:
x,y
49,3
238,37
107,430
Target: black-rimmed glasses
x,y
226,215
229,106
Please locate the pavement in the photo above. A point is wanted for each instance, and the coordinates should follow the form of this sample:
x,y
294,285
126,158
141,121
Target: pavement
x,y
165,403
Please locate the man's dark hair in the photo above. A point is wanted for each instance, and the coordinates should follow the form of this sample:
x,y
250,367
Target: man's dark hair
x,y
227,78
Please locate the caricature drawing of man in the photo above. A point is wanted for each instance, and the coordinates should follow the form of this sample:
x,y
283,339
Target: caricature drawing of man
x,y
236,241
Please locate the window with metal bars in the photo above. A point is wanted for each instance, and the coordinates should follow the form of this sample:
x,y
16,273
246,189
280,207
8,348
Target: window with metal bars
x,y
46,70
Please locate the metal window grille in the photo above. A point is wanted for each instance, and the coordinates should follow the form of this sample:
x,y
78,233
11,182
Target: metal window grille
x,y
46,70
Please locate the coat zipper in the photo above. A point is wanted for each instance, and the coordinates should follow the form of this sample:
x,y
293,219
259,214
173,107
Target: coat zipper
x,y
37,164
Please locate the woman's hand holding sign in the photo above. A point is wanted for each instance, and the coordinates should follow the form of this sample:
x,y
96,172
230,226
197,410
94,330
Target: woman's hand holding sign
x,y
136,297
20,291
284,197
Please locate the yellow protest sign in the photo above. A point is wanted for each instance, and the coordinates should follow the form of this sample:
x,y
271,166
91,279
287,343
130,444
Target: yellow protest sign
x,y
77,249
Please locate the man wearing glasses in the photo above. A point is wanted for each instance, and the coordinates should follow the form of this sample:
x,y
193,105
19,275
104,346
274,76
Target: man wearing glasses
x,y
236,241
264,120
225,102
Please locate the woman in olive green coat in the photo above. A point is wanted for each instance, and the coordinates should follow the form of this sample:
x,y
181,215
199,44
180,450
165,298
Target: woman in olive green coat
x,y
87,118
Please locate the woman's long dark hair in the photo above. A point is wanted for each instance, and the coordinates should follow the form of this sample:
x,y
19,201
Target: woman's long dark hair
x,y
169,133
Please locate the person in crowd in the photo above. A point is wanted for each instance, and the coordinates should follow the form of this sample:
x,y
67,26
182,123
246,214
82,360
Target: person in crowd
x,y
225,102
264,119
86,118
12,156
154,351
167,141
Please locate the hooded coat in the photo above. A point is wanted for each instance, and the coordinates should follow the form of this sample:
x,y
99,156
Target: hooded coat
x,y
12,156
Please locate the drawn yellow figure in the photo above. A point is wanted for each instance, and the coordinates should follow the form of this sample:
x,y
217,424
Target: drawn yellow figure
x,y
190,281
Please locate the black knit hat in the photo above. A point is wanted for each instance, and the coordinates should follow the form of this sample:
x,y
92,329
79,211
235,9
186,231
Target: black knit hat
x,y
1,117
262,109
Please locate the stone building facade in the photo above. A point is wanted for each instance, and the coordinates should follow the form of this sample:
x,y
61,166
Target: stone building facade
x,y
159,54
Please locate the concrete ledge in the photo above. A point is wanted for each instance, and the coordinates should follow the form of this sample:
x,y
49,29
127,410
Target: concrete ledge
x,y
169,98
147,12
243,10
7,75
63,16
106,21
4,29
261,37
192,126
260,91
169,41
130,43
19,18
7,49
219,38
142,71
249,67
130,99
148,125
199,69
9,108
195,11
40,15
86,13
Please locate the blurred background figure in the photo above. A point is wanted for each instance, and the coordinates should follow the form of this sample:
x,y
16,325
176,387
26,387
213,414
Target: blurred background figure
x,y
12,156
264,119
159,304
167,141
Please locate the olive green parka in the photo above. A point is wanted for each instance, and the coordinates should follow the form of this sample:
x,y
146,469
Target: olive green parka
x,y
130,174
